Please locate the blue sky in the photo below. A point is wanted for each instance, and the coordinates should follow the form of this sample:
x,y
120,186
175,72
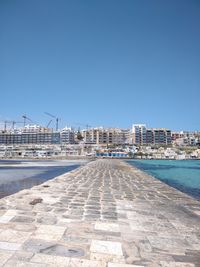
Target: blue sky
x,y
108,62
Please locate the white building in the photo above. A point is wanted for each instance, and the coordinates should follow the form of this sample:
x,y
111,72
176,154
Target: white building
x,y
67,135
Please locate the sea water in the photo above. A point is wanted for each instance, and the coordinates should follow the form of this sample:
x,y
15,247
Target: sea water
x,y
184,175
16,175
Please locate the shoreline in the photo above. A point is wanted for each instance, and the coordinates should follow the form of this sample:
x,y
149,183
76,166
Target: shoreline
x,y
27,174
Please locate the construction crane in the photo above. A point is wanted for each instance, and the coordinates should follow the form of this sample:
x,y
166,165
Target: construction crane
x,y
15,122
25,119
49,124
6,122
53,116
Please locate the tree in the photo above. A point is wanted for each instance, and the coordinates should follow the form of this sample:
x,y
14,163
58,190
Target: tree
x,y
79,136
130,154
140,154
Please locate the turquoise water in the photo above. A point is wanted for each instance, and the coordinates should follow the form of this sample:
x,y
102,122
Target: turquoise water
x,y
184,175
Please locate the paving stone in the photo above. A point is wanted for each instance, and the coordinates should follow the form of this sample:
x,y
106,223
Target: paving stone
x,y
37,245
111,264
9,246
60,250
4,256
10,212
49,232
107,257
54,261
5,219
76,239
24,219
22,256
112,227
86,263
176,264
10,235
47,220
12,263
107,247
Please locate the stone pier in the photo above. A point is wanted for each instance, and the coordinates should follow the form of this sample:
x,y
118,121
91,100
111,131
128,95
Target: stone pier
x,y
104,214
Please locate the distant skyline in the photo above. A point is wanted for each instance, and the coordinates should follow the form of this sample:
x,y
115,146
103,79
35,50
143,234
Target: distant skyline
x,y
102,63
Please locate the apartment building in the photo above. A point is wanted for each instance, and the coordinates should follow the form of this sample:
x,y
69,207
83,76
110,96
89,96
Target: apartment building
x,y
29,138
145,136
139,133
106,136
162,136
67,136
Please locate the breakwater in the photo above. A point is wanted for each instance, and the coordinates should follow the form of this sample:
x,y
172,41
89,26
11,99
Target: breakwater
x,y
104,214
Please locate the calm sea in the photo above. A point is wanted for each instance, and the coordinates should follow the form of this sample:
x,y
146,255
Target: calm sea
x,y
18,175
184,175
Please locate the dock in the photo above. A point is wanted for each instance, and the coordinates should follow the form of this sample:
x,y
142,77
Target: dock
x,y
106,213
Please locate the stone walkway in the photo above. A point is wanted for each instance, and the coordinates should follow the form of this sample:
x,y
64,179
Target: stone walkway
x,y
105,214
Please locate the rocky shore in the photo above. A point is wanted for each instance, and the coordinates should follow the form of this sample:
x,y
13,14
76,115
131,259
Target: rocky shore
x,y
104,214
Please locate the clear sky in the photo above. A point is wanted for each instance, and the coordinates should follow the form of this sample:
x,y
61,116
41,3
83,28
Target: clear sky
x,y
101,62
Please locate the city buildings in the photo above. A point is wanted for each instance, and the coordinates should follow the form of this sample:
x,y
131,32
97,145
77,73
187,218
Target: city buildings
x,y
34,141
146,136
184,138
67,136
29,138
139,135
106,136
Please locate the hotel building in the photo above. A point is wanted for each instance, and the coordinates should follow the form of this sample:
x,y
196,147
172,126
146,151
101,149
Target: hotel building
x,y
145,136
106,136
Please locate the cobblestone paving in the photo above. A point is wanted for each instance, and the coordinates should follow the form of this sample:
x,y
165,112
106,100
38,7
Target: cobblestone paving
x,y
105,214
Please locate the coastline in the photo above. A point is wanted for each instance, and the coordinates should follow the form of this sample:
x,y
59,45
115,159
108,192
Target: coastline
x,y
18,175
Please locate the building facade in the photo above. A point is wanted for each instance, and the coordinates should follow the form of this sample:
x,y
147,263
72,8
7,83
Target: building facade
x,y
106,136
145,136
29,138
67,136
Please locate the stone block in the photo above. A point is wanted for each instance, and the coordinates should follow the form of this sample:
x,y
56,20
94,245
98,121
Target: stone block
x,y
112,227
111,264
49,232
54,261
12,263
9,246
176,264
107,247
85,263
4,256
10,235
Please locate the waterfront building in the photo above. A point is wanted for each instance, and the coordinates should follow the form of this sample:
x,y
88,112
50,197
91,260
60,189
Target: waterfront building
x,y
67,136
139,133
177,135
145,136
186,141
29,138
162,136
184,138
106,154
109,136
